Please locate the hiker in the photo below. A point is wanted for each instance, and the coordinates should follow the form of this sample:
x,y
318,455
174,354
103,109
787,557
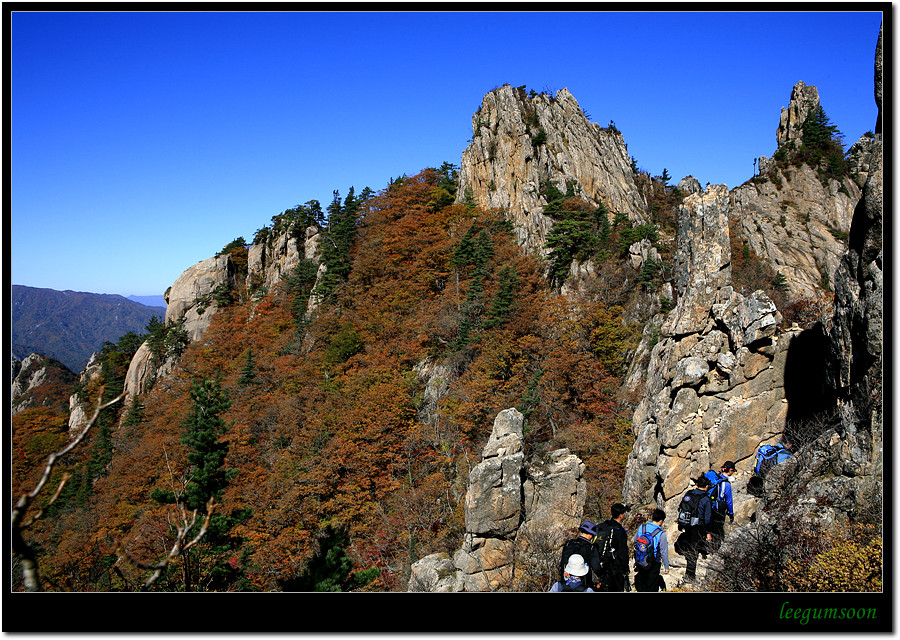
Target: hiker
x,y
767,456
574,576
615,564
694,515
583,545
722,504
651,554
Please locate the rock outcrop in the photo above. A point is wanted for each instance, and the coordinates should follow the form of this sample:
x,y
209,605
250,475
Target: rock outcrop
x,y
191,300
190,303
32,379
520,141
714,384
78,413
272,259
822,387
517,514
793,216
838,477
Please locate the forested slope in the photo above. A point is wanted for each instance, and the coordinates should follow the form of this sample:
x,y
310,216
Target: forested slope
x,y
313,433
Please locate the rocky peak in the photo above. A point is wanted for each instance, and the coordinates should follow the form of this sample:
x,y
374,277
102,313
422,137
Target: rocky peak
x,y
794,216
713,389
702,256
274,257
804,99
191,299
520,141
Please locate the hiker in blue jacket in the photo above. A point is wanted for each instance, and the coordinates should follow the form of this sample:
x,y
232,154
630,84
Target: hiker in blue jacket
x,y
724,507
647,577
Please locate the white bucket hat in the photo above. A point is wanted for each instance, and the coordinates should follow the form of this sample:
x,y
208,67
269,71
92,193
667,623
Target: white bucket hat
x,y
576,566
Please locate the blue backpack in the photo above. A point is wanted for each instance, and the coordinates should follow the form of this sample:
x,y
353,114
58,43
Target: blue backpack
x,y
645,546
768,455
716,488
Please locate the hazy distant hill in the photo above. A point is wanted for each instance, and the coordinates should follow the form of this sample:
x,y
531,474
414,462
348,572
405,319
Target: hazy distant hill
x,y
150,301
72,325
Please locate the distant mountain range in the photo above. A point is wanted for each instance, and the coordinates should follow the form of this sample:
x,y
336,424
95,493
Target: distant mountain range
x,y
150,301
71,325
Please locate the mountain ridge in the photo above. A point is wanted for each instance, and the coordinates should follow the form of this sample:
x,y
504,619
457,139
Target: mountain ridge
x,y
70,326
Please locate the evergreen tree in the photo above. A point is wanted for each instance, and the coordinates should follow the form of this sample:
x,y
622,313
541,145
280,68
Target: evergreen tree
x,y
135,415
300,284
449,177
503,302
604,228
569,239
337,242
207,453
821,145
482,252
818,131
330,569
248,372
464,253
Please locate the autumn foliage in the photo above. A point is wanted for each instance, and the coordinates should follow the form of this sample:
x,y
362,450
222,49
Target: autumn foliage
x,y
332,447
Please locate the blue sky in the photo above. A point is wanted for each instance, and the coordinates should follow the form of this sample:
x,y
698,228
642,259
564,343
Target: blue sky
x,y
143,143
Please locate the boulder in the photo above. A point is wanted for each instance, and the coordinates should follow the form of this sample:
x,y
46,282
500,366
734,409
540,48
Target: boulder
x,y
190,299
517,512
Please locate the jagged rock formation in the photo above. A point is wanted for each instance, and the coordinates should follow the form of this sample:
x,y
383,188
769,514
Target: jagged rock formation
x,y
789,215
520,141
516,510
272,259
189,299
826,381
78,414
804,99
31,375
190,303
839,475
714,388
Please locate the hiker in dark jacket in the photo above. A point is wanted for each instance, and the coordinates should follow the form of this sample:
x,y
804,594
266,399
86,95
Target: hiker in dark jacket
x,y
617,573
583,545
648,578
697,534
725,507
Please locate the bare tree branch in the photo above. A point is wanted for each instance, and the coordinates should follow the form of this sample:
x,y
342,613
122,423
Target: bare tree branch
x,y
179,547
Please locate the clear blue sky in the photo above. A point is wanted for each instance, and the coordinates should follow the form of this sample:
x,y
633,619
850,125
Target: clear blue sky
x,y
143,143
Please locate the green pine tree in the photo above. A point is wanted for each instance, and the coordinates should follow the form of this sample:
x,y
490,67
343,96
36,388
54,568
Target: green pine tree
x,y
503,302
818,132
206,456
248,372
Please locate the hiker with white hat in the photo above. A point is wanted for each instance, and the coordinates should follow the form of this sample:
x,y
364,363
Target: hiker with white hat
x,y
573,577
